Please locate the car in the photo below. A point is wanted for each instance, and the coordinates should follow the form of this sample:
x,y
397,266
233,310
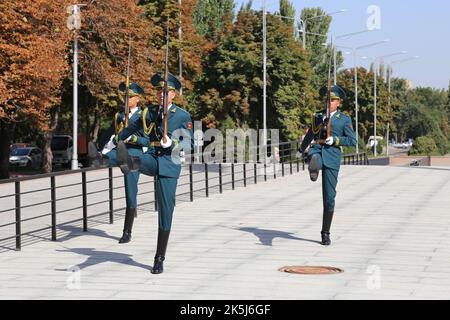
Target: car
x,y
30,157
371,141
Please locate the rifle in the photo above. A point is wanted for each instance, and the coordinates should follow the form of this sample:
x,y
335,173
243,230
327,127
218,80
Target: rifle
x,y
127,84
166,86
328,103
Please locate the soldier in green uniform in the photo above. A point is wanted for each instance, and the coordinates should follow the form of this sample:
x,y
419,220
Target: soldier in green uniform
x,y
325,153
162,160
135,144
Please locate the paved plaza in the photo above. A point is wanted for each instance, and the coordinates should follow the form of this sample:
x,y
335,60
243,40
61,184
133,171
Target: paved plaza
x,y
390,236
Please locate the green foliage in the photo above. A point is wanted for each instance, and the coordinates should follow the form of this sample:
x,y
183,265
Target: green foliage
x,y
231,86
210,16
423,146
287,9
318,22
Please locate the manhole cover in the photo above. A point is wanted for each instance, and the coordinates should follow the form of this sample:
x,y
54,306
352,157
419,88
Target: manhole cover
x,y
311,270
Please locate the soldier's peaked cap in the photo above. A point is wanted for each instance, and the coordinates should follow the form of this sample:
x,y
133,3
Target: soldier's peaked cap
x,y
336,92
158,81
134,88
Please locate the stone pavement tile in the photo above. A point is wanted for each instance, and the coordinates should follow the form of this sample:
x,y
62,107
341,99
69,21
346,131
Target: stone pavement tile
x,y
228,252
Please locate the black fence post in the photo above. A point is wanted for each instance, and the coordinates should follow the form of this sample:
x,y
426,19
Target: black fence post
x,y
255,172
220,178
245,174
232,176
53,202
206,180
290,158
265,170
191,183
274,168
18,219
298,159
84,188
155,191
111,196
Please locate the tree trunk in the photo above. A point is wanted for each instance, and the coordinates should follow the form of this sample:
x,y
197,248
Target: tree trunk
x,y
5,142
97,119
47,155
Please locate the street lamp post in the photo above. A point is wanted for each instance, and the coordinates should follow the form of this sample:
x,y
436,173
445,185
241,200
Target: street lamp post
x,y
265,79
303,24
354,51
389,70
74,23
389,73
180,53
375,59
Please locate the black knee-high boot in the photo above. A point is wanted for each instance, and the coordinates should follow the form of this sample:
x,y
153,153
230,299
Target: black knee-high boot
x,y
130,213
326,225
163,238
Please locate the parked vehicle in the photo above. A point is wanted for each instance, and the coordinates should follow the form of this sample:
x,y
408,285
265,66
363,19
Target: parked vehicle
x,y
30,157
62,149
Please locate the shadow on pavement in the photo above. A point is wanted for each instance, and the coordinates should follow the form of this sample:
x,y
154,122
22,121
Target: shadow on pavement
x,y
74,231
95,257
266,236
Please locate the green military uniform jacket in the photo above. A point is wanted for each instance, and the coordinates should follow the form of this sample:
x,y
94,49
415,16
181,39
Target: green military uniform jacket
x,y
341,131
152,124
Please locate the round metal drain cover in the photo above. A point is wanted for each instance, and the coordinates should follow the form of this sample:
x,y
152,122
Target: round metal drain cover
x,y
311,270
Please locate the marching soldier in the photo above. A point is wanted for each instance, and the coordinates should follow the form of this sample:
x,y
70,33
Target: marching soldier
x,y
325,153
135,144
161,160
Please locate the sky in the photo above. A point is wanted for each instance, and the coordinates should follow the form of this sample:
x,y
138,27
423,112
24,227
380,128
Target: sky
x,y
422,28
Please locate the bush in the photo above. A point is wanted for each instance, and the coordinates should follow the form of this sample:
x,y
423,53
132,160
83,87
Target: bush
x,y
423,146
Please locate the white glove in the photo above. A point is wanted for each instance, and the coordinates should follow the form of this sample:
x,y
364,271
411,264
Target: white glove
x,y
128,139
329,141
109,146
167,144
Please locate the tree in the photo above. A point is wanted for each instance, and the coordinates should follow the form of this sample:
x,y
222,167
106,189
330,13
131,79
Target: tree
x,y
33,59
287,9
448,101
191,45
366,101
319,55
211,16
230,92
423,146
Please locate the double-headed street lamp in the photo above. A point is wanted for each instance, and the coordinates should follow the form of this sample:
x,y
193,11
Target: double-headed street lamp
x,y
375,59
389,74
303,24
354,51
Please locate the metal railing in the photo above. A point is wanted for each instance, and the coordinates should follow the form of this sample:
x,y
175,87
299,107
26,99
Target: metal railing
x,y
360,159
201,178
197,179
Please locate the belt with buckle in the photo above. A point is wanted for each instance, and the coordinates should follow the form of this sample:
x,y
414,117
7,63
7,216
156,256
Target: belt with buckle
x,y
155,144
